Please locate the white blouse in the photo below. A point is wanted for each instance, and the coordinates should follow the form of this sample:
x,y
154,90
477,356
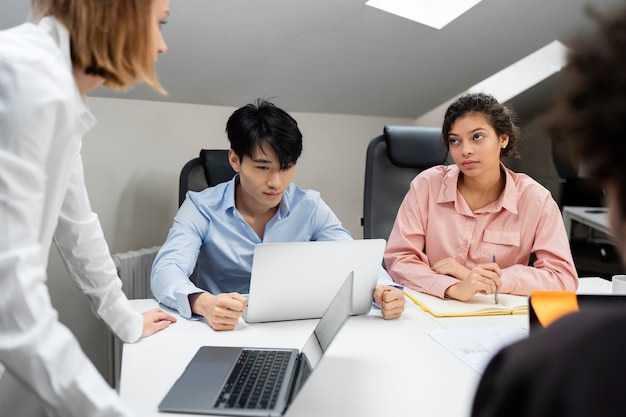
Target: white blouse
x,y
43,197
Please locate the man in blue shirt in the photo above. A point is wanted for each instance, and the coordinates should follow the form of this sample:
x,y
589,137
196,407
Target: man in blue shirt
x,y
219,227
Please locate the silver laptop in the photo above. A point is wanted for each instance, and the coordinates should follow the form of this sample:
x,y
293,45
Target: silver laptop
x,y
297,280
242,381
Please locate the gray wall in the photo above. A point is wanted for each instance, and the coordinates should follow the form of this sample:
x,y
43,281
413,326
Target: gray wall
x,y
132,161
134,155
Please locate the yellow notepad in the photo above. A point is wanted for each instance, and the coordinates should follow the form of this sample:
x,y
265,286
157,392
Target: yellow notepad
x,y
478,305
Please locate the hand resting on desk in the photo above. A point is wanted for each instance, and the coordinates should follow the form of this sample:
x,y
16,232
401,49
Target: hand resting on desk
x,y
221,311
390,300
155,320
484,278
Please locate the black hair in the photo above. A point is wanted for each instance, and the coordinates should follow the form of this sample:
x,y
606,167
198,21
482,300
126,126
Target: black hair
x,y
253,124
501,117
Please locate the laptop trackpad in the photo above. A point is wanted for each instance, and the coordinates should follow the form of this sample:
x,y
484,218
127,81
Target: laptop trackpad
x,y
200,384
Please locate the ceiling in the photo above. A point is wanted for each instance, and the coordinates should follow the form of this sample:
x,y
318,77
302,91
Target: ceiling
x,y
340,56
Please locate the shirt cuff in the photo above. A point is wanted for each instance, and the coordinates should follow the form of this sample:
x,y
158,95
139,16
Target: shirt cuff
x,y
123,320
441,285
184,308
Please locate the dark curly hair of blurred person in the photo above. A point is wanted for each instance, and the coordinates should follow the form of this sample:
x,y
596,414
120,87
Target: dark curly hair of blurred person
x,y
589,112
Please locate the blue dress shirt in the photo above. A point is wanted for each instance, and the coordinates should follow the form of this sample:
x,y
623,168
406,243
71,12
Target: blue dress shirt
x,y
209,230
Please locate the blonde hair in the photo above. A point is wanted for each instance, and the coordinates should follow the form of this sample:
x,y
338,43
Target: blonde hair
x,y
109,38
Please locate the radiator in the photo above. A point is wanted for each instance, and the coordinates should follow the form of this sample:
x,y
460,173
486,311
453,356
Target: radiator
x,y
133,268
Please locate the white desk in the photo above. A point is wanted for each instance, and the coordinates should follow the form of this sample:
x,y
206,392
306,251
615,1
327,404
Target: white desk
x,y
596,218
373,367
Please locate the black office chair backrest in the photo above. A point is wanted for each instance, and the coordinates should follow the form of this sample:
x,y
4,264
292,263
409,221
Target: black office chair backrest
x,y
393,159
573,189
210,168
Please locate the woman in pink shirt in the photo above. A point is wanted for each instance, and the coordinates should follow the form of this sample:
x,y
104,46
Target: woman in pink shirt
x,y
472,227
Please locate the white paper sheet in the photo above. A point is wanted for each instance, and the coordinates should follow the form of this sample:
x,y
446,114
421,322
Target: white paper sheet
x,y
475,346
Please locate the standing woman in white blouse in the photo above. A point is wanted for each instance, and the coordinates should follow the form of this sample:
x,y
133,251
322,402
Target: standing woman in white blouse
x,y
46,69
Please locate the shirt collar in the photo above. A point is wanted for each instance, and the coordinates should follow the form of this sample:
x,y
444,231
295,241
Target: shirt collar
x,y
509,196
229,193
61,37
507,200
229,198
447,192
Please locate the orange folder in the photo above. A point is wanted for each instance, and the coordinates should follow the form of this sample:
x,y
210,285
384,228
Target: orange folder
x,y
547,306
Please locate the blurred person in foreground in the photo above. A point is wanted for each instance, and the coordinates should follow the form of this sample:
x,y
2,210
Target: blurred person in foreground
x,y
575,367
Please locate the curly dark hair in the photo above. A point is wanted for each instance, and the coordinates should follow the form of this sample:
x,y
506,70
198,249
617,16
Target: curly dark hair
x,y
589,112
501,117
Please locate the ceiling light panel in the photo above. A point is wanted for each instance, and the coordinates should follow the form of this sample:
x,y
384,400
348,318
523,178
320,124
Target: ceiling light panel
x,y
433,13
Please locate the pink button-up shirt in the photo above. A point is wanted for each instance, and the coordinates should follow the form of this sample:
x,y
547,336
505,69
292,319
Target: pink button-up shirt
x,y
434,222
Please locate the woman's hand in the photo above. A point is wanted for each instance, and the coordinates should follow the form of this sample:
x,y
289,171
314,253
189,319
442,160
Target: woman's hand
x,y
449,266
155,320
484,278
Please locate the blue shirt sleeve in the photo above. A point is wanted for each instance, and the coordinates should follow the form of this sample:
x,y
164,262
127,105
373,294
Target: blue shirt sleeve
x,y
176,260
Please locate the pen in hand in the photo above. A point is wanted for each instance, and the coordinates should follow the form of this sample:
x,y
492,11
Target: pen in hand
x,y
496,293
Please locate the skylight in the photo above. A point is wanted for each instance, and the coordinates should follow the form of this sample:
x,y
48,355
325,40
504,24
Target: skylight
x,y
525,73
512,80
433,13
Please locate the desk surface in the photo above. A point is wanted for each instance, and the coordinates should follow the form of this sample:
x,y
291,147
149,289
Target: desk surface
x,y
373,367
595,217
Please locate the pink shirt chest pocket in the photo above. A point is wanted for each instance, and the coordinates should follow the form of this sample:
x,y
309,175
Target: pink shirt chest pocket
x,y
503,244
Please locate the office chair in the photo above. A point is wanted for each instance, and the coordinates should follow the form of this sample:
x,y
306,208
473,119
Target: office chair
x,y
573,189
393,159
584,192
210,168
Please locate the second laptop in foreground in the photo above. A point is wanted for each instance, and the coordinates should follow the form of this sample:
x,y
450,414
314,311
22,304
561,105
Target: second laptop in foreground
x,y
242,381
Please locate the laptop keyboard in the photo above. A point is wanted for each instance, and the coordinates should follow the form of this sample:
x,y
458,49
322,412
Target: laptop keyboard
x,y
255,380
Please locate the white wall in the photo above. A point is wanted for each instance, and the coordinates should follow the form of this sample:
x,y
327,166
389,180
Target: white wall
x,y
132,161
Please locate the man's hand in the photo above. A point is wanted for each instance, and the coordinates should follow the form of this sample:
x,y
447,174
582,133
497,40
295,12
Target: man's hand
x,y
390,300
221,311
155,320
